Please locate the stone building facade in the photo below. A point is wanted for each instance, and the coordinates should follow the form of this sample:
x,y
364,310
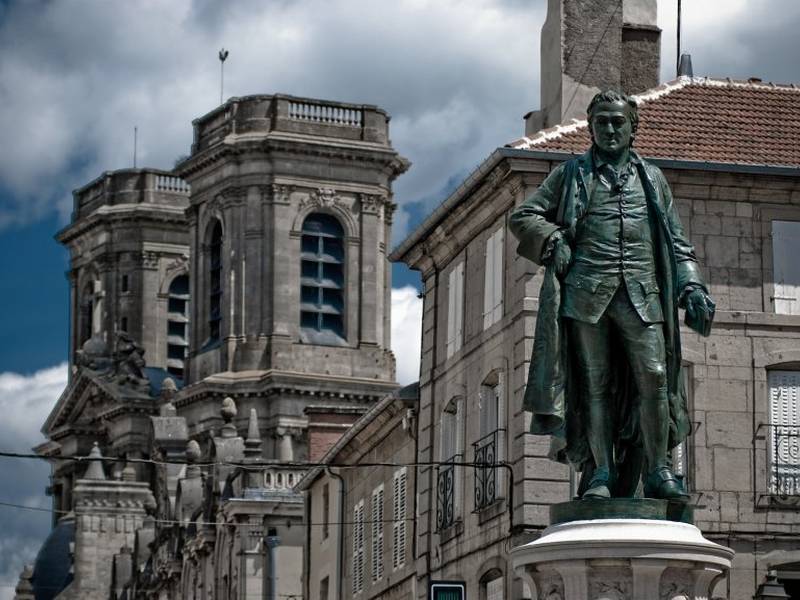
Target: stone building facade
x,y
210,306
740,464
360,506
729,151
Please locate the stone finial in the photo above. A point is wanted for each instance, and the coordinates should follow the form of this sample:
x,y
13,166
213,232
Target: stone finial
x,y
129,473
193,451
228,412
253,442
168,391
95,470
192,456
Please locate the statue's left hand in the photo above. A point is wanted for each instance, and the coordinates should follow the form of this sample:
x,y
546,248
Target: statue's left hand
x,y
698,302
699,311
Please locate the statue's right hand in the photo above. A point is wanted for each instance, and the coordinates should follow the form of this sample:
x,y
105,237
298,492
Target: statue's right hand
x,y
562,256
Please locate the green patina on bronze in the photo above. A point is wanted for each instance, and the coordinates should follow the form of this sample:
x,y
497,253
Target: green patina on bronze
x,y
605,375
621,508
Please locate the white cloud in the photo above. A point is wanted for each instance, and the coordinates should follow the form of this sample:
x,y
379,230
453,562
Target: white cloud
x,y
25,402
406,333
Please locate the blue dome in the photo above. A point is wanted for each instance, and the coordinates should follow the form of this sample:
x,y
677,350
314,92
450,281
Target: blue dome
x,y
52,569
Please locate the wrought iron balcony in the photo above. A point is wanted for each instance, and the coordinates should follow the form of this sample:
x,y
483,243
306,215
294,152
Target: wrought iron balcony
x,y
784,460
446,493
486,476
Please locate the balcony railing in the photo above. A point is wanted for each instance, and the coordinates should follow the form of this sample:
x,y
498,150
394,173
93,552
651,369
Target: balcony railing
x,y
486,476
446,493
784,460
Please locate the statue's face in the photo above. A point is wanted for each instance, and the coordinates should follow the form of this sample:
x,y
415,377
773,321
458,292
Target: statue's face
x,y
611,127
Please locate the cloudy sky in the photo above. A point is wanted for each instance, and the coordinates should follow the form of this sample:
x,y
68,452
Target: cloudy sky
x,y
77,76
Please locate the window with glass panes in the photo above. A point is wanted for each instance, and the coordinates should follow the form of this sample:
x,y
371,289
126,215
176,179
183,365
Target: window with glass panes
x,y
322,279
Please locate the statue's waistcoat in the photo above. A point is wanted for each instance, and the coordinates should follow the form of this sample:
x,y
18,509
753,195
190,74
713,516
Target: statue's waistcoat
x,y
613,246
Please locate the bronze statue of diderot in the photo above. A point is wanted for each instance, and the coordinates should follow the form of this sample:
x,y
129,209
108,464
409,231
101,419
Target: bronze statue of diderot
x,y
605,375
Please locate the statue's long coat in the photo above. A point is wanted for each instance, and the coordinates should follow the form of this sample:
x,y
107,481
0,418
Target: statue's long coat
x,y
559,204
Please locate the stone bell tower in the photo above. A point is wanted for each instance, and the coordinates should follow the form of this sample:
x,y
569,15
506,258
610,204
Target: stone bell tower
x,y
290,218
592,45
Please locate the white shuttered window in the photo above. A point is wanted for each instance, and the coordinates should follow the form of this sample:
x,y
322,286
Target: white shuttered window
x,y
358,547
784,418
399,518
377,534
455,309
493,280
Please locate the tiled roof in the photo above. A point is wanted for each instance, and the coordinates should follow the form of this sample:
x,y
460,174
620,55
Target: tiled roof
x,y
706,120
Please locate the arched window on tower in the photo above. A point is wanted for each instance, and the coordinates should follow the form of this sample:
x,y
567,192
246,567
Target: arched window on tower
x,y
177,325
215,283
322,280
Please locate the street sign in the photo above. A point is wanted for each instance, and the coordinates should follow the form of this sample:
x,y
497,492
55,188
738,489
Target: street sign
x,y
448,590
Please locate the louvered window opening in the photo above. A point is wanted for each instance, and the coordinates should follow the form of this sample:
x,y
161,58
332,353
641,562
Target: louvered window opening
x,y
215,283
784,433
399,518
177,325
377,534
322,280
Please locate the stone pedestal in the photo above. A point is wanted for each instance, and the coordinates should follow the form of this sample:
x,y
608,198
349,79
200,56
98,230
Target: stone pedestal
x,y
622,559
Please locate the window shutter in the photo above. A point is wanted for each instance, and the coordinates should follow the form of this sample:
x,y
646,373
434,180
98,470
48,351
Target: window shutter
x,y
497,305
399,519
488,284
785,247
451,313
377,534
494,589
358,547
459,305
784,447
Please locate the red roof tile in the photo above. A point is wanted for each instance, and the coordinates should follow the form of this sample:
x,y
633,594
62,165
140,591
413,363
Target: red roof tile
x,y
706,120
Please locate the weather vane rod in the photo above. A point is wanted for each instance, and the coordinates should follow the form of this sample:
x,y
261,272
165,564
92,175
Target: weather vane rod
x,y
223,54
135,141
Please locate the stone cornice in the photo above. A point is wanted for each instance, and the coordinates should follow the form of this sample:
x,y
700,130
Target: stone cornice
x,y
150,213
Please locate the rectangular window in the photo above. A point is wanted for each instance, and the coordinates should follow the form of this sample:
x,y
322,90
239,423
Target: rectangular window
x,y
399,519
123,325
455,309
786,269
358,547
326,508
493,280
784,440
125,287
377,534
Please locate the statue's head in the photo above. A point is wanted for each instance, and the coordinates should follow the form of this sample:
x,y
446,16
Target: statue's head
x,y
613,120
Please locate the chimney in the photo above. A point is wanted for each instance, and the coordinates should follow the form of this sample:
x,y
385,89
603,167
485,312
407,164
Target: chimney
x,y
593,45
685,66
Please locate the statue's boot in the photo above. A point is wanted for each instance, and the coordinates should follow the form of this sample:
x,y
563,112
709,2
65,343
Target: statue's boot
x,y
662,484
600,484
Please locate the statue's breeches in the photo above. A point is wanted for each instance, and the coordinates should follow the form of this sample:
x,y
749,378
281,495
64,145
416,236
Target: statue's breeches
x,y
644,351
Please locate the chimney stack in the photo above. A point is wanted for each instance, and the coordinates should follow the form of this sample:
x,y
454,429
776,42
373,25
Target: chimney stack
x,y
594,45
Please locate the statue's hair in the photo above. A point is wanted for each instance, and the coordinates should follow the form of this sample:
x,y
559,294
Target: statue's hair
x,y
614,96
